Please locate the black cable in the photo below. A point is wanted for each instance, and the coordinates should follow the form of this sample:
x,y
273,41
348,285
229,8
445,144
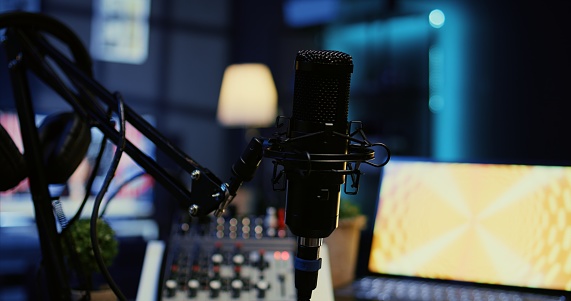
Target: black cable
x,y
307,264
96,204
92,177
118,189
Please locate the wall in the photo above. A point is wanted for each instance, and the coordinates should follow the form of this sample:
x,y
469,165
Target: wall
x,y
502,71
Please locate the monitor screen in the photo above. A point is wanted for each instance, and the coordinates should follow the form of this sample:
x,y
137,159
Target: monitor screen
x,y
483,223
130,194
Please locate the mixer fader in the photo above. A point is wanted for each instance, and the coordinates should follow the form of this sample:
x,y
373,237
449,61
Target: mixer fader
x,y
230,259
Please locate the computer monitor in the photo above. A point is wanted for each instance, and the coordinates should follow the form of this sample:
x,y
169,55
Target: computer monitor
x,y
495,224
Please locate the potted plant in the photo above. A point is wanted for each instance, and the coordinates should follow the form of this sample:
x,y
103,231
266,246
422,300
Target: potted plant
x,y
81,259
343,243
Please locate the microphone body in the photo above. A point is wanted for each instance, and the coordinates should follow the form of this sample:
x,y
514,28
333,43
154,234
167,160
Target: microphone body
x,y
319,116
320,107
318,153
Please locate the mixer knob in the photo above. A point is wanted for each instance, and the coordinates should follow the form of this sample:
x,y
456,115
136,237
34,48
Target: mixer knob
x,y
217,258
246,228
171,287
262,263
262,286
215,286
193,286
237,285
238,259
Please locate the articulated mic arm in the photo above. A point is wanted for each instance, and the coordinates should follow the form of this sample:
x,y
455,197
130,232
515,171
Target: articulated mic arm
x,y
27,43
31,48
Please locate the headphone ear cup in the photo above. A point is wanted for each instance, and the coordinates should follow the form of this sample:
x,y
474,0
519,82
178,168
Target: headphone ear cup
x,y
12,163
65,139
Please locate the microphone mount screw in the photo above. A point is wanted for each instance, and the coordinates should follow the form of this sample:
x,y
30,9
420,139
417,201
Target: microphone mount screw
x,y
193,210
195,174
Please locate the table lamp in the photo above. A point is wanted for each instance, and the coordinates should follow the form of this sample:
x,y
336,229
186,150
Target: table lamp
x,y
248,96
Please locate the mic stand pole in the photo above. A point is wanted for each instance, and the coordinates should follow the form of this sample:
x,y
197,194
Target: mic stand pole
x,y
52,261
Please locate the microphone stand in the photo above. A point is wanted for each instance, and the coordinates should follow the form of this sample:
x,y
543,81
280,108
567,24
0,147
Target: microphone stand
x,y
27,50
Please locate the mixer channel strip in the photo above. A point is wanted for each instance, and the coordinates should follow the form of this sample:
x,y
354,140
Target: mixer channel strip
x,y
230,259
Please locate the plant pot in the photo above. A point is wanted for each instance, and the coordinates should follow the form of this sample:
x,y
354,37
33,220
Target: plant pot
x,y
343,245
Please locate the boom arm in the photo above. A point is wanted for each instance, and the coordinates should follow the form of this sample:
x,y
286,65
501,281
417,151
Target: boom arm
x,y
207,190
28,49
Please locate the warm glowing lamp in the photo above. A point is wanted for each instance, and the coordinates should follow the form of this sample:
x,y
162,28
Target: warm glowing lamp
x,y
248,96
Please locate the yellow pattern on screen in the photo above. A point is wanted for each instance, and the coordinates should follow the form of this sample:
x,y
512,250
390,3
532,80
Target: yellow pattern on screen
x,y
485,223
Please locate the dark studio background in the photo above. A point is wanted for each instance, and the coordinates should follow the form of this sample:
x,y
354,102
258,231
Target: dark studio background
x,y
501,68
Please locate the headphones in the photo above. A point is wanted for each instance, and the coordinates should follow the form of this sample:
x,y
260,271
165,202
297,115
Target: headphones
x,y
64,139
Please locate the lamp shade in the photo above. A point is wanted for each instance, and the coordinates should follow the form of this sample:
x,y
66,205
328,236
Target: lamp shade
x,y
248,96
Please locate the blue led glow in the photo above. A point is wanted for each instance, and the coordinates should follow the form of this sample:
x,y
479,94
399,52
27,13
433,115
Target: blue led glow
x,y
436,18
448,54
447,57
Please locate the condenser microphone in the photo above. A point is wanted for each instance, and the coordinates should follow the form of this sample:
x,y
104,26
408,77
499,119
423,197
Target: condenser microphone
x,y
318,152
318,133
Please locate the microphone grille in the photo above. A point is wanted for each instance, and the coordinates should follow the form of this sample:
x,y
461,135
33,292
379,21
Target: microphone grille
x,y
322,84
330,57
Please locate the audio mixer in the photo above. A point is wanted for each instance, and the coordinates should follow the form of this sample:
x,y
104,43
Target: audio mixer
x,y
230,259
